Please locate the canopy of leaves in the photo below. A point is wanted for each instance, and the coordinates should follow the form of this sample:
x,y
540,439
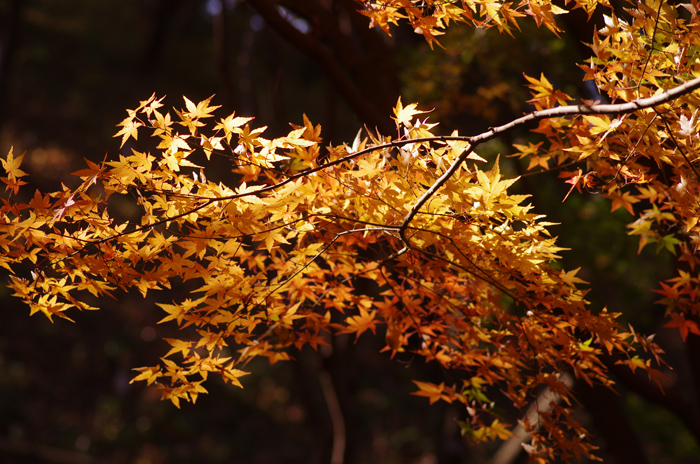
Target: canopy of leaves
x,y
465,272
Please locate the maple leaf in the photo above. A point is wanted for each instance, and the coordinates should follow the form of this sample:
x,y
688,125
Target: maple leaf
x,y
229,124
404,115
178,346
149,374
624,200
61,211
684,325
150,105
91,175
500,430
570,277
130,127
11,165
232,375
544,94
361,323
435,392
656,376
175,312
579,180
201,110
161,123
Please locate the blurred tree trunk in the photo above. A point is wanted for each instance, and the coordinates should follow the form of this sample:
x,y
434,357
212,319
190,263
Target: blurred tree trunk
x,y
357,64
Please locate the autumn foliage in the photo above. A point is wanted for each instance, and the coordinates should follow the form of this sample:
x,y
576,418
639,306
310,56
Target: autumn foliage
x,y
463,273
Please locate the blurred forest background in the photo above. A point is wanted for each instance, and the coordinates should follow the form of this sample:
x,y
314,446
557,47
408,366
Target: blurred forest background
x,y
69,70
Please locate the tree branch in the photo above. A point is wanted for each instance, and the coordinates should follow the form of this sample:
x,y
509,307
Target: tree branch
x,y
473,141
560,111
338,450
431,191
511,448
574,110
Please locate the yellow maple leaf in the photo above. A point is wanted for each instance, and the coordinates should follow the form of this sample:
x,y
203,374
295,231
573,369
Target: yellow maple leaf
x,y
149,374
130,127
404,115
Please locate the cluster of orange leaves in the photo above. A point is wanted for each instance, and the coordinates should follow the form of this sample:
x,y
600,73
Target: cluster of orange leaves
x,y
645,162
430,18
462,270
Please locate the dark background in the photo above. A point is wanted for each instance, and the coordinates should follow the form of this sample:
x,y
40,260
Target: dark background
x,y
68,72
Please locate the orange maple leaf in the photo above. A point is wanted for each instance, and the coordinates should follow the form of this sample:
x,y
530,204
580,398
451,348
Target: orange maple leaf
x,y
361,323
684,325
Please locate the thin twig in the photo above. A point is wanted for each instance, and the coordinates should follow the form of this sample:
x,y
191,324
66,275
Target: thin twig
x,y
675,142
651,48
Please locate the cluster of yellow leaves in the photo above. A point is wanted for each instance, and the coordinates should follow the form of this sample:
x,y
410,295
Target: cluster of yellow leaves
x,y
463,271
646,162
429,18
